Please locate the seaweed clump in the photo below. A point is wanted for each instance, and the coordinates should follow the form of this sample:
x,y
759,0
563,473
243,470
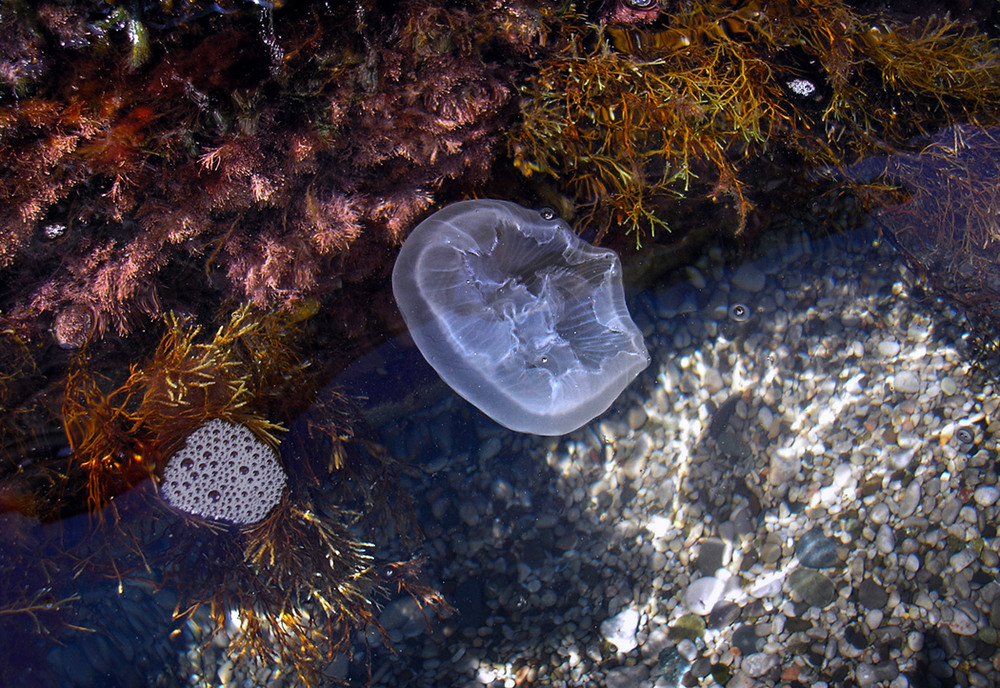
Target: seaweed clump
x,y
633,118
938,203
240,151
299,579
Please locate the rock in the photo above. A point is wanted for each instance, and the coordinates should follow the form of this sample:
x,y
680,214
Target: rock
x,y
872,595
724,615
906,382
468,513
712,381
745,638
627,677
961,559
620,630
962,624
910,500
816,551
636,417
758,664
879,513
712,555
784,466
986,495
671,666
404,615
888,348
690,626
749,277
686,648
490,448
814,588
703,594
885,539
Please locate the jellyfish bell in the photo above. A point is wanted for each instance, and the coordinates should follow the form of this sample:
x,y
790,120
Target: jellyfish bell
x,y
518,315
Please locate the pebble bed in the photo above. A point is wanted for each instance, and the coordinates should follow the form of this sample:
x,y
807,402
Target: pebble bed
x,y
801,490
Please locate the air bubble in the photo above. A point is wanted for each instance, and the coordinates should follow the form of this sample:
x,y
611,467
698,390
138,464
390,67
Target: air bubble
x,y
187,464
739,312
244,470
547,213
214,495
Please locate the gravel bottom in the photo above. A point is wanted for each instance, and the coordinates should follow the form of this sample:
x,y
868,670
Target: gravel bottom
x,y
800,490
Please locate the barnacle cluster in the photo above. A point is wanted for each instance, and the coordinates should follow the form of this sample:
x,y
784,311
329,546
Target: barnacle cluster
x,y
630,117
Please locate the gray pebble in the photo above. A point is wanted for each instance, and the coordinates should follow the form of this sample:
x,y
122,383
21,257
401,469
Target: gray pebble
x,y
885,539
749,277
879,513
909,501
872,595
758,664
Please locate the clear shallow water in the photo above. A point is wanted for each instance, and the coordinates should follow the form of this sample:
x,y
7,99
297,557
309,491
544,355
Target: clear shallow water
x,y
801,487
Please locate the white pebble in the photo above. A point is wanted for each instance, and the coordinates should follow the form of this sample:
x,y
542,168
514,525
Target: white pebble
x,y
888,348
906,382
620,630
986,495
686,649
703,594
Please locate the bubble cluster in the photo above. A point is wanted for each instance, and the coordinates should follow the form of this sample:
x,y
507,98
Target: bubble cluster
x,y
224,473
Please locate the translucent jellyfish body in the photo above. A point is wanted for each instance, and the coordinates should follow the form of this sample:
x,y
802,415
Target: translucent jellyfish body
x,y
518,315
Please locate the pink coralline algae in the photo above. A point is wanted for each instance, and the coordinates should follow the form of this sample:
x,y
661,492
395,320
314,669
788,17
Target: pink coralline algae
x,y
236,163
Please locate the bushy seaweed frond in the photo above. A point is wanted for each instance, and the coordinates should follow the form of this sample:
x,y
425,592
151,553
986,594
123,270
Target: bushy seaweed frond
x,y
628,117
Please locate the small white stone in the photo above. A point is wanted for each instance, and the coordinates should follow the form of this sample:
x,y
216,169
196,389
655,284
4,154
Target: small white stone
x,y
888,348
873,618
703,594
986,495
911,563
906,382
915,641
686,649
620,630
